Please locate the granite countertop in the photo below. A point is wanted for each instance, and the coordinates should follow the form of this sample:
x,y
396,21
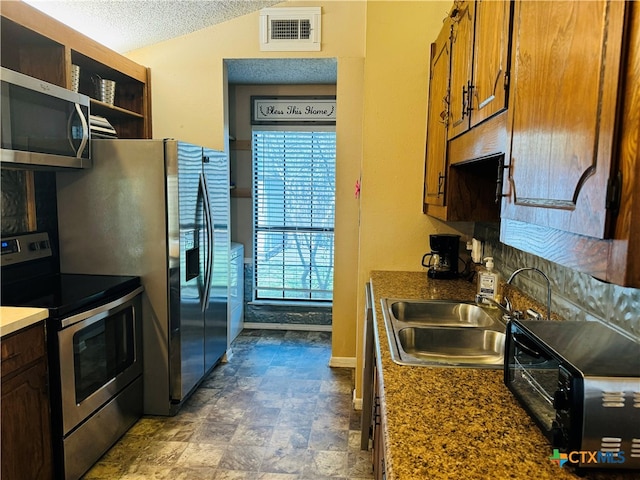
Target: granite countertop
x,y
444,423
13,319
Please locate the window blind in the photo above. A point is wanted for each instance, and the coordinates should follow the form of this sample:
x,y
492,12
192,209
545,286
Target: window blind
x,y
294,205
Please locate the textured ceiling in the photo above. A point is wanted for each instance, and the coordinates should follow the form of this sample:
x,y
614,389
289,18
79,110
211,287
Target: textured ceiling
x,y
125,25
282,71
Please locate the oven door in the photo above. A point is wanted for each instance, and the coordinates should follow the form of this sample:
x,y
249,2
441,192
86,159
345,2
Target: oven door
x,y
100,353
532,374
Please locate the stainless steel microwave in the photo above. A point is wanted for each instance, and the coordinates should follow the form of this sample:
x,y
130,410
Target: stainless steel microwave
x,y
580,382
43,125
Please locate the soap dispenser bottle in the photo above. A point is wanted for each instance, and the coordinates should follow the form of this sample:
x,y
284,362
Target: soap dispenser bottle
x,y
489,283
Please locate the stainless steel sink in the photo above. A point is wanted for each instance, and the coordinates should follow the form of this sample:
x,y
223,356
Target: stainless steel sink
x,y
464,346
444,333
440,313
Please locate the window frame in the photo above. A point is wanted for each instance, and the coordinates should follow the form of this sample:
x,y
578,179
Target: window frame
x,y
255,289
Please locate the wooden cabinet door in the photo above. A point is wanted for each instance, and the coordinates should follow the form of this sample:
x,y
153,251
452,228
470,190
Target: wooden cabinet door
x,y
462,17
26,442
438,119
490,59
562,113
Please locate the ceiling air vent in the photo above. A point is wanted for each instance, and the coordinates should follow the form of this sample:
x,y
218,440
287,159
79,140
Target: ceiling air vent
x,y
290,29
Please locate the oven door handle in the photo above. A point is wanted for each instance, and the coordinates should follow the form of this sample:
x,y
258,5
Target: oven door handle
x,y
67,322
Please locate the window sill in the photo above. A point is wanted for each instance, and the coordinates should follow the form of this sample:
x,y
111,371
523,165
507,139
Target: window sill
x,y
290,303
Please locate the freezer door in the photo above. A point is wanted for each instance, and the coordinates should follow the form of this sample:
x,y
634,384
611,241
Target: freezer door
x,y
188,282
216,175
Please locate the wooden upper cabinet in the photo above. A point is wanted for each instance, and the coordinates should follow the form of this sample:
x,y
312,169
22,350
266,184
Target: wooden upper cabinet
x,y
468,192
565,82
491,59
462,19
479,62
41,47
438,119
567,150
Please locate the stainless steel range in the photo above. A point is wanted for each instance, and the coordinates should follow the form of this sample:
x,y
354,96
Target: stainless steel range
x,y
94,343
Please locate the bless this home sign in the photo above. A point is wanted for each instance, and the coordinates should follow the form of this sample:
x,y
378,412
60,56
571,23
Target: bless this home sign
x,y
274,110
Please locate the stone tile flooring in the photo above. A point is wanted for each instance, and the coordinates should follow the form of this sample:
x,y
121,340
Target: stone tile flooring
x,y
275,411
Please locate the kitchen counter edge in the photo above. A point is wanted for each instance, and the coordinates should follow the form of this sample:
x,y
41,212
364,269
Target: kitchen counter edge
x,y
13,319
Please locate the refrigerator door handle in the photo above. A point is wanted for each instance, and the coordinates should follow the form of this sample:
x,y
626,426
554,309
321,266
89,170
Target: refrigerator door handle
x,y
209,251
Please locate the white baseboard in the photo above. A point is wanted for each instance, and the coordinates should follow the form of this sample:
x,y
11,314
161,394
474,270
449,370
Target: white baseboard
x,y
343,362
357,402
228,354
287,326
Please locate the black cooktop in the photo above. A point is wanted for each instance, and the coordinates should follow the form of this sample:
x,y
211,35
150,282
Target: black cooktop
x,y
64,294
31,278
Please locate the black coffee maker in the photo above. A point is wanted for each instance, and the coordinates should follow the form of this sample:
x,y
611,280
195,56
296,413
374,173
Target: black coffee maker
x,y
443,259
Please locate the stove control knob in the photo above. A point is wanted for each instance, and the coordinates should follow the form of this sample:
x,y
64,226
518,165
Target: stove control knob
x,y
561,399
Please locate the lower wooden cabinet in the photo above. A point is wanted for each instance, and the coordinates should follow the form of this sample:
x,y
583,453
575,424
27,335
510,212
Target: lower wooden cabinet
x,y
25,423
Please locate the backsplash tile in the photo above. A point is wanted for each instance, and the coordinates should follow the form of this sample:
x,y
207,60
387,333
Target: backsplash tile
x,y
575,295
13,209
626,309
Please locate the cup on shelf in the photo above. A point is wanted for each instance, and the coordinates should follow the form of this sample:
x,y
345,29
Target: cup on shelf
x,y
105,89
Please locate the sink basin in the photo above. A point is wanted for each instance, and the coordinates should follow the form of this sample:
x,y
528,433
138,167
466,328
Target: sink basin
x,y
444,333
441,313
453,345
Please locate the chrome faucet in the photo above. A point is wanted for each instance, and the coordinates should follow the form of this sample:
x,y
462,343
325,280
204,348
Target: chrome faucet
x,y
520,270
506,308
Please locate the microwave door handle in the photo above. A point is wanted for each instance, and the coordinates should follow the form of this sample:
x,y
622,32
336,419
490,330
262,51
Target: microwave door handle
x,y
85,131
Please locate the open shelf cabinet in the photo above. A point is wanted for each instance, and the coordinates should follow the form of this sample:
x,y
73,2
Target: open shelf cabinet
x,y
39,46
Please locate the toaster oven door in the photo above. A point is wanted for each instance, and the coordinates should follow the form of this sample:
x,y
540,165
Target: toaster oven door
x,y
531,373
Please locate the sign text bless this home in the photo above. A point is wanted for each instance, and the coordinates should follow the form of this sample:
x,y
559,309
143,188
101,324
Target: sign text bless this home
x,y
288,110
295,110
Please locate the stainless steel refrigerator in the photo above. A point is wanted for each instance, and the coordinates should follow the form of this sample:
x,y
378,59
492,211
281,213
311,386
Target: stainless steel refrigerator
x,y
158,209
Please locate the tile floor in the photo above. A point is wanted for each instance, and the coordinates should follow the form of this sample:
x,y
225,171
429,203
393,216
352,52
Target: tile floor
x,y
275,411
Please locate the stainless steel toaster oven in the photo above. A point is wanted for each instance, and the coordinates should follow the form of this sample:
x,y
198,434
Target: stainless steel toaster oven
x,y
580,381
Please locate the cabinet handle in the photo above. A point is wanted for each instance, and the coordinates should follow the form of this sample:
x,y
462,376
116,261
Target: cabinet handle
x,y
465,92
466,99
444,114
500,178
614,192
441,179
